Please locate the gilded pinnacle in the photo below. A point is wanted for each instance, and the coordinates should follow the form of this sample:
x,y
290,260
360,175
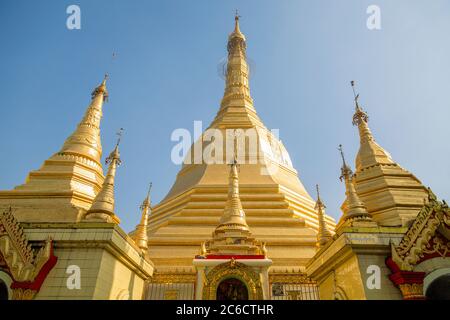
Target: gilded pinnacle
x,y
360,117
370,153
103,205
237,104
237,32
232,235
345,169
233,212
319,202
115,155
140,236
101,89
323,234
147,201
85,140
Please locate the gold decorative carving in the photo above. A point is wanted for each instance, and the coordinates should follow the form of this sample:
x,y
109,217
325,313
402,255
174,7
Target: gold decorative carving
x,y
9,226
295,278
23,294
21,260
232,269
438,245
416,241
170,278
171,295
412,291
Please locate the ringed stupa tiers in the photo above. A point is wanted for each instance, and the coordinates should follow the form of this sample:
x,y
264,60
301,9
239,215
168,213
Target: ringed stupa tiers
x,y
279,210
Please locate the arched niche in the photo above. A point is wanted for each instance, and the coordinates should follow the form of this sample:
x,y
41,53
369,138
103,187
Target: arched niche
x,y
233,270
436,285
5,286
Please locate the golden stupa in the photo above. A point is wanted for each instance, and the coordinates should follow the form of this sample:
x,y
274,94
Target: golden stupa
x,y
237,223
279,210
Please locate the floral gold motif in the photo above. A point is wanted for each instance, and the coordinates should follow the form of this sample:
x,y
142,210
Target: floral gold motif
x,y
422,237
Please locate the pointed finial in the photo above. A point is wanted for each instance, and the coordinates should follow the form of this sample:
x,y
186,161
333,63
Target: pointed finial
x,y
140,235
237,31
345,170
146,202
236,40
103,204
149,189
101,89
356,96
323,234
318,192
360,116
119,134
319,202
115,155
341,150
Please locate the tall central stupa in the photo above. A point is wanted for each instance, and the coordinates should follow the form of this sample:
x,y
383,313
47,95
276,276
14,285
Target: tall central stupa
x,y
279,210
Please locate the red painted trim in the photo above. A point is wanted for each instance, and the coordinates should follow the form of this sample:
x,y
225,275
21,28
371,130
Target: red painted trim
x,y
235,256
42,275
392,265
401,277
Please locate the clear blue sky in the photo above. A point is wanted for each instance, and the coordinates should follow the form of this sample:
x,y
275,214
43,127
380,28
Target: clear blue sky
x,y
165,76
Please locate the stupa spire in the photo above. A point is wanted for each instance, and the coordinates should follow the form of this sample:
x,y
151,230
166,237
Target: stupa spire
x,y
232,235
103,206
85,140
324,235
237,104
237,31
233,214
353,207
140,236
370,153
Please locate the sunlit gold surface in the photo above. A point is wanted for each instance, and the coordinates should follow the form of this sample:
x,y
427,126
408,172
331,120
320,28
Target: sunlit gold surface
x,y
392,195
140,234
66,184
103,205
381,200
69,199
232,235
53,203
324,235
278,209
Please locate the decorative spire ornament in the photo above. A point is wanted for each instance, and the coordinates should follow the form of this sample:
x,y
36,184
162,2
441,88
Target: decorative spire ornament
x,y
370,153
103,206
85,140
233,214
388,190
237,31
237,104
140,236
232,235
353,208
323,235
360,118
